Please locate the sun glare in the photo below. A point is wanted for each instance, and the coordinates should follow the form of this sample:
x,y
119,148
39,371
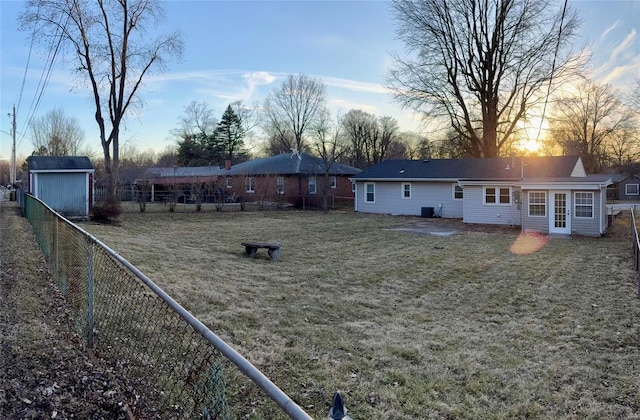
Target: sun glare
x,y
533,133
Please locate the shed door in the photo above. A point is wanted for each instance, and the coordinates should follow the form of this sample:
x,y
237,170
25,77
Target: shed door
x,y
560,212
65,193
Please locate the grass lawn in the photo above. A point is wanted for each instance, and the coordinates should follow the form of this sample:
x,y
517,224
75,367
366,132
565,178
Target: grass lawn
x,y
406,325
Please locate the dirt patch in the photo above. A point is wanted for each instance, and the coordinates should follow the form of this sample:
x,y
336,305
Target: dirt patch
x,y
448,227
45,371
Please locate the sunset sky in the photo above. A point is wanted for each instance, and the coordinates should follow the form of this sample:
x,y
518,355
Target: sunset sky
x,y
242,50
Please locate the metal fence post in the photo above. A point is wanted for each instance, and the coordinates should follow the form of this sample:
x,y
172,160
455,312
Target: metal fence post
x,y
90,295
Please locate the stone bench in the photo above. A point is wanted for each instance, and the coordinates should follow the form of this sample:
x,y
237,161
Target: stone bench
x,y
274,249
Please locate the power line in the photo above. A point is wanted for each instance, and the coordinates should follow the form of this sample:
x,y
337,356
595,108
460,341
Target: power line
x,y
46,75
553,68
24,76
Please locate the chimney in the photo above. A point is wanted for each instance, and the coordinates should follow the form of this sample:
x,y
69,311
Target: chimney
x,y
227,164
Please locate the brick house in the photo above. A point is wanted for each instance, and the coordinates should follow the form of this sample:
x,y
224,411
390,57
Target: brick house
x,y
296,178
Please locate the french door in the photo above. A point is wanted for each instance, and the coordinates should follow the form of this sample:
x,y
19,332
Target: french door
x,y
560,212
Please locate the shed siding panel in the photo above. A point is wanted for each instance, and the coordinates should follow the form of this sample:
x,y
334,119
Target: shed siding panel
x,y
538,224
65,193
389,200
584,226
475,211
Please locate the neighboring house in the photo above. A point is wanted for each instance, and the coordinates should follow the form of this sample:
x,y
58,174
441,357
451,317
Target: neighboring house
x,y
64,183
626,187
297,178
158,184
546,194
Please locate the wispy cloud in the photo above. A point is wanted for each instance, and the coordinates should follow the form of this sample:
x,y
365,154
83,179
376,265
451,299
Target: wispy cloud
x,y
618,63
623,46
355,85
609,29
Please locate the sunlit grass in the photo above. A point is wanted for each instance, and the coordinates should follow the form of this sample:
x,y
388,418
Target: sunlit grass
x,y
407,325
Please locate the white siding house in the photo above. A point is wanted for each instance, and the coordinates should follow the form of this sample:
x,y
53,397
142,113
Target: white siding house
x,y
546,194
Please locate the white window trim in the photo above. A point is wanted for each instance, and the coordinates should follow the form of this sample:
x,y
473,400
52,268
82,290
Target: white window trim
x,y
402,190
366,192
334,182
537,204
250,184
353,187
575,205
497,203
626,189
229,182
453,192
315,185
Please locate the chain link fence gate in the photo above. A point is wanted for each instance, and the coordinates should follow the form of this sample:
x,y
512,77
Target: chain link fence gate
x,y
157,345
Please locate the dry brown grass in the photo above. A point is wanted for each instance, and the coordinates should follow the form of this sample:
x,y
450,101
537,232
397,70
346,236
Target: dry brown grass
x,y
407,325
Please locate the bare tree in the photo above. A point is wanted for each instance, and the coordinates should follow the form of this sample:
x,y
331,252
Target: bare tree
x,y
480,64
359,127
112,48
290,110
197,120
587,120
56,134
329,145
370,138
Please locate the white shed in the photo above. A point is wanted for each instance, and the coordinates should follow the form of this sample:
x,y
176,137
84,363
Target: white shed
x,y
64,183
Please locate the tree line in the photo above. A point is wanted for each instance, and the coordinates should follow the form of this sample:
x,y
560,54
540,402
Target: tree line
x,y
476,71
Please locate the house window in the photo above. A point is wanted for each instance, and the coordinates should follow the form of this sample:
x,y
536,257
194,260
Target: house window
x,y
280,185
353,187
537,204
229,185
457,192
250,184
312,185
370,189
583,205
631,189
406,190
497,196
334,182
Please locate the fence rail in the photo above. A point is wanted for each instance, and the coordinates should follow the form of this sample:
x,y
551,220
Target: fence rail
x,y
159,347
635,245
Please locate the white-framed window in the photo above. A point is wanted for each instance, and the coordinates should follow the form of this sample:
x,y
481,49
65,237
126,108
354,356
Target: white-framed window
x,y
312,185
353,187
229,182
537,204
457,192
497,196
250,184
280,185
334,182
370,192
632,189
406,190
583,205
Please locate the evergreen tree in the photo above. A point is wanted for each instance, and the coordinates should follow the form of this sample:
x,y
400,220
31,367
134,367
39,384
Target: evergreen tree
x,y
229,135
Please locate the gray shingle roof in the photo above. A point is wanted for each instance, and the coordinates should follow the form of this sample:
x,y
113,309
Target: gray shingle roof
x,y
58,163
182,172
290,164
500,168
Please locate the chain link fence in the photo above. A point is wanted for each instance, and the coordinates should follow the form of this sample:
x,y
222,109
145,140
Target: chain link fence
x,y
159,347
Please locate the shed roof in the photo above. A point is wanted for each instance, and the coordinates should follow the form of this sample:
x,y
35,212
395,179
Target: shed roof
x,y
290,164
499,168
59,163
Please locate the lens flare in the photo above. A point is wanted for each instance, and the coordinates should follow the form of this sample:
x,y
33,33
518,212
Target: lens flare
x,y
528,242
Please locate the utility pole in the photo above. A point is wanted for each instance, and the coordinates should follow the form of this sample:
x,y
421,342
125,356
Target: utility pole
x,y
13,148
